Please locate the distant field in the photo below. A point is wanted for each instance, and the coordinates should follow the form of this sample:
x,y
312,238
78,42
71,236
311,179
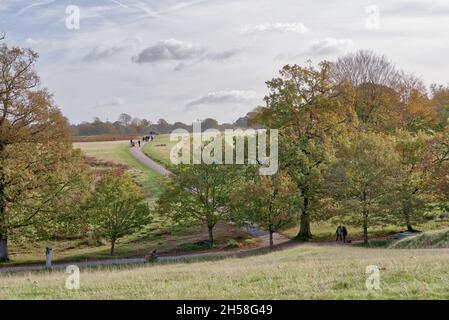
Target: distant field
x,y
306,272
104,137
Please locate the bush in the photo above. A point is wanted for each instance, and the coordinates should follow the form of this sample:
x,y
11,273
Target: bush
x,y
232,244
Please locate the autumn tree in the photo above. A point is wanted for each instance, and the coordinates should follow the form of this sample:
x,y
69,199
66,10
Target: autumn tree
x,y
269,201
309,109
117,208
42,178
373,79
414,177
362,180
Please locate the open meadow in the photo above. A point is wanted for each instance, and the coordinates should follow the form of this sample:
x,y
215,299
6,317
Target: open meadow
x,y
304,272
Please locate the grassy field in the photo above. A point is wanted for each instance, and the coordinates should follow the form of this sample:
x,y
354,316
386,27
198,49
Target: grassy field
x,y
118,152
430,239
305,272
159,149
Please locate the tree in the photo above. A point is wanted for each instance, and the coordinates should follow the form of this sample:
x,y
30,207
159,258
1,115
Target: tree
x,y
414,176
373,79
125,119
309,109
362,180
268,201
117,208
41,177
198,193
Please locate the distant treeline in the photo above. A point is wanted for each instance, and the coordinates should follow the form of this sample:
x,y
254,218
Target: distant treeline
x,y
127,125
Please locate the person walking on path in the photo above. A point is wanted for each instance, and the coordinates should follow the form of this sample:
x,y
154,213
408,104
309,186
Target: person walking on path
x,y
339,233
344,233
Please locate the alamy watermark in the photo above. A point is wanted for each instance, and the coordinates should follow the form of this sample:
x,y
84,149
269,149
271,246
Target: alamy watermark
x,y
207,147
72,282
372,22
73,18
373,280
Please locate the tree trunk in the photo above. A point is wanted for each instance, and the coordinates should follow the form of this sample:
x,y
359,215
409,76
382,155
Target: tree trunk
x,y
304,224
4,255
211,236
365,228
304,227
408,223
271,240
113,246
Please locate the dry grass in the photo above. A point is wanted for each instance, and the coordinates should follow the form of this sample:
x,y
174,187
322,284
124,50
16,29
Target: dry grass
x,y
305,272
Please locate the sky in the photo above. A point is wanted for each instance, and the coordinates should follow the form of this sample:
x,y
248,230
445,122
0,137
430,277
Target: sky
x,y
184,60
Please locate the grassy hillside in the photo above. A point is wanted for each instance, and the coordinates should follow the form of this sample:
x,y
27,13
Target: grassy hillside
x,y
118,152
306,272
162,233
430,239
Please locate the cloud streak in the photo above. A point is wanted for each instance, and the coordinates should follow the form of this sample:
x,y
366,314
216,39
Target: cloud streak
x,y
295,27
223,97
330,46
175,50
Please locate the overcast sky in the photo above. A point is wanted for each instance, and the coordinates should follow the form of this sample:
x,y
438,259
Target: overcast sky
x,y
191,59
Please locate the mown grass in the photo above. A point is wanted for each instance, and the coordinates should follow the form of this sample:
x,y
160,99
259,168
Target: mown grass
x,y
159,149
305,272
430,239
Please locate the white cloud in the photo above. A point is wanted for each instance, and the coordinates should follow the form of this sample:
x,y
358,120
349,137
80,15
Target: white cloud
x,y
101,52
114,103
170,49
296,27
330,46
175,50
224,97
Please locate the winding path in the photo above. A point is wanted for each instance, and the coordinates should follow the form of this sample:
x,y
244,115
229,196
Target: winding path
x,y
150,163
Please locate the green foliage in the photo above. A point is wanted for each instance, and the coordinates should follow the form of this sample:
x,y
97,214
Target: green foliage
x,y
268,201
362,180
117,208
305,104
198,194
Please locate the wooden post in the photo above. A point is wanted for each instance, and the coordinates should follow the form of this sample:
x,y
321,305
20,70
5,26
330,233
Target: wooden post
x,y
48,256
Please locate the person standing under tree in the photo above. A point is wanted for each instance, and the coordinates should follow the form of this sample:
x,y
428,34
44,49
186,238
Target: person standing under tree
x,y
344,233
339,233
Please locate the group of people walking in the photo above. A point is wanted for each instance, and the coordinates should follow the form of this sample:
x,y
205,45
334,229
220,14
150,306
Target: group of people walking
x,y
133,143
341,232
139,142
